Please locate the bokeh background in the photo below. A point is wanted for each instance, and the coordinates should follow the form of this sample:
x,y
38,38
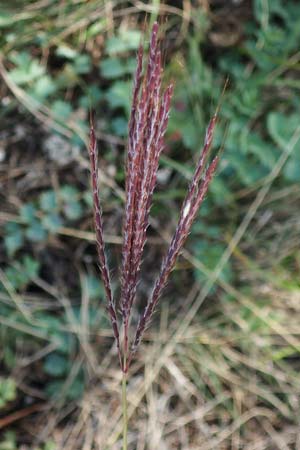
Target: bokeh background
x,y
219,368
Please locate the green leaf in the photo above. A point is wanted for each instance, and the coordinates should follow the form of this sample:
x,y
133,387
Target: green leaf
x,y
48,322
12,228
73,210
67,52
76,389
125,40
68,193
67,342
264,152
17,277
210,253
292,170
7,391
20,274
27,72
115,67
20,58
54,388
9,357
14,239
9,442
43,88
94,287
82,64
36,232
220,192
31,266
48,201
7,19
112,68
119,126
248,172
28,212
190,134
67,77
96,28
130,64
282,127
118,95
52,222
91,97
261,11
211,231
87,197
62,110
50,445
56,365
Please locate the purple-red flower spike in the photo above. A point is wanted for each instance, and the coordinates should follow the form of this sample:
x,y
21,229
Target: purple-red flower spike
x,y
99,237
147,126
195,196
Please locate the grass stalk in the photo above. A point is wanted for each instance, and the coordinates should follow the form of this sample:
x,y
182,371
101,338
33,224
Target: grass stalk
x,y
124,410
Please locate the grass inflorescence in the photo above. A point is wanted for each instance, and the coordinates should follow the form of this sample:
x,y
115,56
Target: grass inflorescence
x,y
147,126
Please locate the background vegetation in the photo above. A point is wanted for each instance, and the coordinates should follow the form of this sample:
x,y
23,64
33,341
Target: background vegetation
x,y
220,367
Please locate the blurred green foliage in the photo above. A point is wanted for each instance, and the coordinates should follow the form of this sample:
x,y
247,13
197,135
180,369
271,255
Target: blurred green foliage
x,y
47,214
37,221
7,391
9,442
57,72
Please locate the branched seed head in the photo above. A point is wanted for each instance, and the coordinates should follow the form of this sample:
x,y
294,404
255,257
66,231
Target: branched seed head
x,y
147,126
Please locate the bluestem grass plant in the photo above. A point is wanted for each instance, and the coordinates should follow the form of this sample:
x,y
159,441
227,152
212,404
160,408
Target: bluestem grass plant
x,y
147,126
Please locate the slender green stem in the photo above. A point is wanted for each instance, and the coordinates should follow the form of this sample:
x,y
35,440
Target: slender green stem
x,y
124,409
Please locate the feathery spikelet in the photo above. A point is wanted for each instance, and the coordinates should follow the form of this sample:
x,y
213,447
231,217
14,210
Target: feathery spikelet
x,y
147,126
99,237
